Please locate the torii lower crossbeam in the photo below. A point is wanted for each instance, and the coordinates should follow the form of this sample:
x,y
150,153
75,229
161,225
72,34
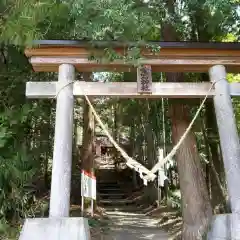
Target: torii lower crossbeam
x,y
127,89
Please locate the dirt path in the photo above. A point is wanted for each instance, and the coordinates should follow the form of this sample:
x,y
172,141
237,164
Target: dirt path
x,y
132,226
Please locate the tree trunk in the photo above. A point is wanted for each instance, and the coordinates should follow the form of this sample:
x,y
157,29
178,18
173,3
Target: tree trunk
x,y
47,132
133,151
88,146
213,142
115,132
116,122
196,205
151,190
87,152
216,170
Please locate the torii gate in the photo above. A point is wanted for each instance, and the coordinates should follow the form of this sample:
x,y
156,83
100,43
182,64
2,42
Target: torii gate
x,y
65,57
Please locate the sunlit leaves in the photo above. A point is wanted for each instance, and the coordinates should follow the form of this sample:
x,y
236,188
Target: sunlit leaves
x,y
21,20
233,77
131,20
110,20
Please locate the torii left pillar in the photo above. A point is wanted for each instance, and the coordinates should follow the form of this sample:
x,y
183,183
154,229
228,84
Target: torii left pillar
x,y
62,153
59,226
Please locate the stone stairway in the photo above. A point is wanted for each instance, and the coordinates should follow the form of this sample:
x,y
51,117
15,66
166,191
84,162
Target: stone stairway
x,y
127,218
115,193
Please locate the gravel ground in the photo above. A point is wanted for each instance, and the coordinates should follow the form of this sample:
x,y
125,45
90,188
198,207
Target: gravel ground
x,y
130,226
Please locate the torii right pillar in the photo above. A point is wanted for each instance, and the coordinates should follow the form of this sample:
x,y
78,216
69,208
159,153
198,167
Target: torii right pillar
x,y
227,226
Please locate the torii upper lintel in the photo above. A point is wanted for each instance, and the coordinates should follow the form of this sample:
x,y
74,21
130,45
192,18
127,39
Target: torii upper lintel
x,y
172,57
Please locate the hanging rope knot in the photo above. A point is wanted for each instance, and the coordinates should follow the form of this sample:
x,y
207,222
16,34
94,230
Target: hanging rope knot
x,y
218,80
61,86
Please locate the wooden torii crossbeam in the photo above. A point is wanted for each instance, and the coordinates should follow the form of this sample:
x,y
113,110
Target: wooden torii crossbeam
x,y
65,57
172,57
127,90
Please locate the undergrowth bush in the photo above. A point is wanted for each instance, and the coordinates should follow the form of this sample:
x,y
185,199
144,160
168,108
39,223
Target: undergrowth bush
x,y
174,200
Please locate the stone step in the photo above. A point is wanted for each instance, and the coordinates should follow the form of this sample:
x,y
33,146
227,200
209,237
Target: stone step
x,y
116,202
113,197
110,185
115,191
120,182
114,186
124,208
106,190
112,182
113,194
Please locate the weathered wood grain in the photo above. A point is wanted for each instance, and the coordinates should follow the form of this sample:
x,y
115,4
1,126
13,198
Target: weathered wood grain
x,y
160,64
172,57
127,89
144,79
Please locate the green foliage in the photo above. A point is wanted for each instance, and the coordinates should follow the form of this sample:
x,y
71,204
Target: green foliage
x,y
111,20
16,168
20,160
16,193
174,200
26,127
121,20
236,102
22,21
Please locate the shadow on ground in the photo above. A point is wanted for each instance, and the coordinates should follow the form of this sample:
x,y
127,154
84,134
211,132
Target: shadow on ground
x,y
131,226
168,219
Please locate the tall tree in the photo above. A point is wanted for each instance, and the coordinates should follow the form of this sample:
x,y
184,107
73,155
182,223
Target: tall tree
x,y
87,151
196,205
